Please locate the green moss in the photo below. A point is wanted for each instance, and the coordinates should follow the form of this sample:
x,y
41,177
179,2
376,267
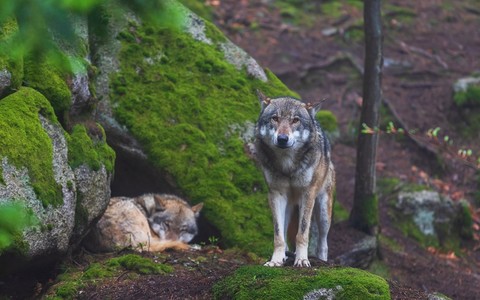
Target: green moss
x,y
67,290
327,120
180,109
297,12
365,216
81,212
258,282
355,33
390,243
199,7
75,278
13,219
411,230
465,221
82,149
10,53
26,144
48,74
340,213
98,271
213,33
337,8
401,14
141,265
388,186
470,97
379,268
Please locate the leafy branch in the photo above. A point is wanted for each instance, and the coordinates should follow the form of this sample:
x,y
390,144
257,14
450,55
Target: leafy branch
x,y
443,142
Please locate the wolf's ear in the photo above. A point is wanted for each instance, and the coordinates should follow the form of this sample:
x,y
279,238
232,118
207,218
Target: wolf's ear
x,y
264,100
314,108
159,203
147,202
197,208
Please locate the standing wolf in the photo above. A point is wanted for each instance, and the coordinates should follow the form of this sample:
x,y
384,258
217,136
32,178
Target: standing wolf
x,y
294,155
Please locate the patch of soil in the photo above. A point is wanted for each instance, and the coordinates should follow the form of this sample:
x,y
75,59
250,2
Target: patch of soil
x,y
194,275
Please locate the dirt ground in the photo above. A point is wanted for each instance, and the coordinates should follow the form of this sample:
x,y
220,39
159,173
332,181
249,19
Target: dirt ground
x,y
426,48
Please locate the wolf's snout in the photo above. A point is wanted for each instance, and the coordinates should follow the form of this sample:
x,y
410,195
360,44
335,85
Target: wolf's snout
x,y
282,141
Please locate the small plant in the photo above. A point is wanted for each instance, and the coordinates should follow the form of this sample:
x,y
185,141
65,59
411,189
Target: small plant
x,y
213,240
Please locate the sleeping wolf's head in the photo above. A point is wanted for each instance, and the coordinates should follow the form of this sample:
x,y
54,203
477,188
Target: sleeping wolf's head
x,y
170,217
285,122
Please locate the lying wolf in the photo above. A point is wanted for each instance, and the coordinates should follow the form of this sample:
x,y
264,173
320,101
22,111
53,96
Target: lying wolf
x,y
294,155
151,222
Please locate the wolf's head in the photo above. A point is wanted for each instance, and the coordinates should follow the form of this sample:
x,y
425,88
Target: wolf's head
x,y
285,122
171,218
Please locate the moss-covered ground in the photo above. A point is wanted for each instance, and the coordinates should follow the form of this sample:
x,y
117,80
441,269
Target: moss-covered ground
x,y
259,282
73,279
181,99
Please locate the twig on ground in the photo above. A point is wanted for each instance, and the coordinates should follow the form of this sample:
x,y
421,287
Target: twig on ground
x,y
424,53
338,57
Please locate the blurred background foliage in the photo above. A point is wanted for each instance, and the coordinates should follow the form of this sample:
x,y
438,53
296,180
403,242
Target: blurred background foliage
x,y
35,27
13,219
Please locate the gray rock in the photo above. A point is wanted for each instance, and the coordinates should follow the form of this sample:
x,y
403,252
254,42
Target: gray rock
x,y
52,235
5,80
93,190
239,58
195,26
462,84
434,215
324,293
360,255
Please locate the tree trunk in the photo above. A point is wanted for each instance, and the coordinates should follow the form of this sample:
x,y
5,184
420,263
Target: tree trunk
x,y
364,215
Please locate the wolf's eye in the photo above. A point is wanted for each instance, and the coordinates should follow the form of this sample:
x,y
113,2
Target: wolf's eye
x,y
275,118
295,120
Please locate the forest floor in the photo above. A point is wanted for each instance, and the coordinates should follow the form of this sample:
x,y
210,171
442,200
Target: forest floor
x,y
428,45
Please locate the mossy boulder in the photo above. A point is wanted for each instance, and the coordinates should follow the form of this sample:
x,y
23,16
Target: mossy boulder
x,y
433,219
467,91
187,97
39,172
466,95
258,282
11,60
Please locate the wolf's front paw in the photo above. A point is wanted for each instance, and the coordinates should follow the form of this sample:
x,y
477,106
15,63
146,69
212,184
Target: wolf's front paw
x,y
302,263
273,263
